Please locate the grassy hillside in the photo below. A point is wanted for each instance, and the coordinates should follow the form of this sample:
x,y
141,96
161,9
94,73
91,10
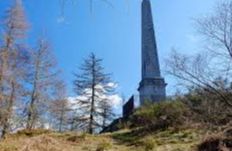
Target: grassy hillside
x,y
126,140
167,126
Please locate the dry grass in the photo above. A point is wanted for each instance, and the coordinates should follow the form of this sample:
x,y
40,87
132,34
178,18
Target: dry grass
x,y
169,140
61,142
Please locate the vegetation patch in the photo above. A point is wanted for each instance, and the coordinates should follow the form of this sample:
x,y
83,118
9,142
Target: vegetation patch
x,y
77,138
32,132
161,116
104,146
216,143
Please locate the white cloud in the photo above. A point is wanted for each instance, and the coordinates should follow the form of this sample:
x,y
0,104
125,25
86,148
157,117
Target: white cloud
x,y
115,99
113,85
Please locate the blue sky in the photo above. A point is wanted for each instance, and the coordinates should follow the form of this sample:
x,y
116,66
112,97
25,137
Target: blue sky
x,y
113,33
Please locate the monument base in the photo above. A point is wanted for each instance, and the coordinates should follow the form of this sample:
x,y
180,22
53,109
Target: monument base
x,y
152,90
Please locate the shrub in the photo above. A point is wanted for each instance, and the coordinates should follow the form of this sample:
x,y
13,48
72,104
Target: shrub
x,y
216,143
161,115
149,144
104,146
209,109
77,138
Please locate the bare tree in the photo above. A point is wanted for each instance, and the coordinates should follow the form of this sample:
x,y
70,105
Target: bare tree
x,y
216,28
43,77
197,71
12,61
201,70
92,86
209,108
209,93
60,107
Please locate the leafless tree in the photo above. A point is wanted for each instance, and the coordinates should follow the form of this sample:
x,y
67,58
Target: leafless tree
x,y
209,108
216,28
43,77
202,70
12,61
92,86
209,92
60,107
197,71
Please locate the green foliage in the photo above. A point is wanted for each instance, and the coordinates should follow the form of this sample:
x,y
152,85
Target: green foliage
x,y
208,108
149,144
161,115
174,139
126,124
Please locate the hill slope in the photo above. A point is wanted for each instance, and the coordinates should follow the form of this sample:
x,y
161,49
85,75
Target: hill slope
x,y
127,140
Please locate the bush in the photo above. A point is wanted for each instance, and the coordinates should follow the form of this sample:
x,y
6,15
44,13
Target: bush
x,y
209,109
104,146
77,138
161,115
216,143
149,144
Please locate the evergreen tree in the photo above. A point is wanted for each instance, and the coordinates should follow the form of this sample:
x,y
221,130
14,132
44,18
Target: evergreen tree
x,y
93,87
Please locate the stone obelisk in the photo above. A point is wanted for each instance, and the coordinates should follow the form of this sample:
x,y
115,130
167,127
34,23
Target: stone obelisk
x,y
152,85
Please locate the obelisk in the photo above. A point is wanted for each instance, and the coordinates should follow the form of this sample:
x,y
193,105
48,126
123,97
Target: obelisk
x,y
152,85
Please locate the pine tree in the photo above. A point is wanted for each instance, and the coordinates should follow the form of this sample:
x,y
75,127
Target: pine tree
x,y
93,87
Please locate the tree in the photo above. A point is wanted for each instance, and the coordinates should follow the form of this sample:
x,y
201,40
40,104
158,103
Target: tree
x,y
92,86
197,71
208,75
43,78
13,59
201,70
60,107
216,28
106,112
208,107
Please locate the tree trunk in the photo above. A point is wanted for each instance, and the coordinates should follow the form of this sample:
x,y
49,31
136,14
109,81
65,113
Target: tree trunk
x,y
92,111
92,99
61,119
30,120
6,124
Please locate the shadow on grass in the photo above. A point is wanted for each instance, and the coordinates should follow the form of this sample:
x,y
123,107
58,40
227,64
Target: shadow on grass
x,y
132,137
139,136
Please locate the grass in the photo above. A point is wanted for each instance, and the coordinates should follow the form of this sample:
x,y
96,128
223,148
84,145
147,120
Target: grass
x,y
170,140
125,140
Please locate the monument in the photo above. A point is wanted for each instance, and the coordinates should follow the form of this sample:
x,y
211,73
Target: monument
x,y
152,85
